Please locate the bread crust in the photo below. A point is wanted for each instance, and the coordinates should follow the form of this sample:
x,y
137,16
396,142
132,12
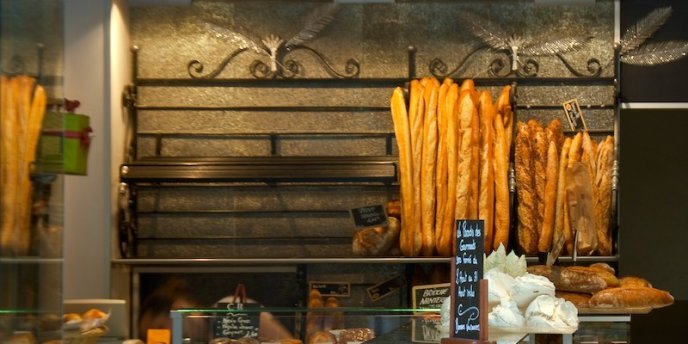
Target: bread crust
x,y
526,194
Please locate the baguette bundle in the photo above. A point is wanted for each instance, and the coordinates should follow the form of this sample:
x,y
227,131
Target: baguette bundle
x,y
22,107
563,188
453,163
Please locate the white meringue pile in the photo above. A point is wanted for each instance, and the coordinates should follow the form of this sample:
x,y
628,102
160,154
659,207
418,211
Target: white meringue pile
x,y
519,300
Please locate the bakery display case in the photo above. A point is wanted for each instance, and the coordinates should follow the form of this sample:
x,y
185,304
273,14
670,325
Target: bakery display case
x,y
256,128
31,46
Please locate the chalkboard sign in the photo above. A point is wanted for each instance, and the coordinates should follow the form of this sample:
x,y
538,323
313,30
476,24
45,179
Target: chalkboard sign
x,y
382,289
575,115
370,216
339,289
430,296
237,324
428,329
468,271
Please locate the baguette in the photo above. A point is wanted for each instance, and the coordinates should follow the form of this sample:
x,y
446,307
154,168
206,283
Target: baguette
x,y
501,170
575,150
560,206
572,280
590,151
486,187
550,200
555,133
444,243
417,122
429,159
441,164
8,172
466,110
539,146
504,108
526,194
474,178
631,297
603,185
403,138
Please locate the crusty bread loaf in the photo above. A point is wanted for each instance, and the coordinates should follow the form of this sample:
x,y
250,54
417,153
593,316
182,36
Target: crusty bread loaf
x,y
603,185
580,300
416,118
504,108
608,277
466,113
474,177
568,279
441,164
634,282
321,337
560,206
604,267
550,200
501,170
486,199
403,137
393,208
428,163
579,195
444,244
376,241
631,297
527,237
539,145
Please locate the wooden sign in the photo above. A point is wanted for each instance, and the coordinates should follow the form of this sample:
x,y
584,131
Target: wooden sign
x,y
468,271
338,289
235,325
575,115
369,216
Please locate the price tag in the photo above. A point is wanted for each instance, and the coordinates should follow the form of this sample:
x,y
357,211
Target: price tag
x,y
468,271
369,216
339,289
575,115
384,288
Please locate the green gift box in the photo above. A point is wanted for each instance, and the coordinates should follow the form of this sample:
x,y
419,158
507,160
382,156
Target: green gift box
x,y
64,143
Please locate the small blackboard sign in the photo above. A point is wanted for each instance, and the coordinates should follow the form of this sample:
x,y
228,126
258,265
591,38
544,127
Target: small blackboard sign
x,y
575,115
339,289
384,288
369,216
430,296
235,325
468,271
427,328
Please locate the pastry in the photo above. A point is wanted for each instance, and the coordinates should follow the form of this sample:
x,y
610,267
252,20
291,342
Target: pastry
x,y
566,279
631,297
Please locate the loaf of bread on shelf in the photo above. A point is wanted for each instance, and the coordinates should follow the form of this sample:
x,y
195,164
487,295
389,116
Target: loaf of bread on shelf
x,y
428,171
633,282
570,279
608,277
376,241
501,179
321,337
631,297
580,300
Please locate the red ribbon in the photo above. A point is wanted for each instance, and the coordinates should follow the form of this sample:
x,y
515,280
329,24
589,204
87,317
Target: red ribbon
x,y
84,136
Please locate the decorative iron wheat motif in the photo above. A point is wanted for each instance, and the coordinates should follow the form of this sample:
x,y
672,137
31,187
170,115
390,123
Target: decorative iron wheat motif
x,y
516,46
272,46
497,39
635,51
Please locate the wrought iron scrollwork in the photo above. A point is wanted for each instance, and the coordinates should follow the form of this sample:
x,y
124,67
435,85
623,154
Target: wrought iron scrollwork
x,y
593,66
278,66
504,66
439,68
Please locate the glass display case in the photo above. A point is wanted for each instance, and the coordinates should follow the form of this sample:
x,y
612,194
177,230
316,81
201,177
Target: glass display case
x,y
31,45
253,325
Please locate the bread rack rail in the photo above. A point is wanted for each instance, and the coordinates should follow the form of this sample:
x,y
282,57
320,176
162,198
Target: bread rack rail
x,y
275,170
